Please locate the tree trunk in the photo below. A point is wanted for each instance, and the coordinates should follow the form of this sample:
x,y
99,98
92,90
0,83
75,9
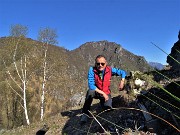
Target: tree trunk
x,y
25,104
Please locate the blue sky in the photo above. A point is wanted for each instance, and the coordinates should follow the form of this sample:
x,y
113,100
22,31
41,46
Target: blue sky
x,y
134,24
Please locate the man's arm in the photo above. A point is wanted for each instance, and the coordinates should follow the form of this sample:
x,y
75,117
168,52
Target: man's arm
x,y
121,73
102,93
121,84
91,79
92,86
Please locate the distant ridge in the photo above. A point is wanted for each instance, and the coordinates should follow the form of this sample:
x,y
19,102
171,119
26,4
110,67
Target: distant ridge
x,y
156,65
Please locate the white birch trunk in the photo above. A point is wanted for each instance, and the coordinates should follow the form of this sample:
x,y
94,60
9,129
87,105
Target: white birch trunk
x,y
42,101
25,104
43,85
24,92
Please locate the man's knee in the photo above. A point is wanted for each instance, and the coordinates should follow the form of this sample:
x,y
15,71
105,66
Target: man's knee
x,y
90,93
108,103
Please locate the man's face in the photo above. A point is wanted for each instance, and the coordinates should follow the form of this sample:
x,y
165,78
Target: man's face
x,y
101,63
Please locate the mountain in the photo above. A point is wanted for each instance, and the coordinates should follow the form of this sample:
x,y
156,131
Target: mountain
x,y
115,54
66,74
156,65
66,81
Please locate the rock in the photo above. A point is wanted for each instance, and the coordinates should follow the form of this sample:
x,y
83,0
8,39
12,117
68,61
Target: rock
x,y
139,83
175,53
43,130
77,99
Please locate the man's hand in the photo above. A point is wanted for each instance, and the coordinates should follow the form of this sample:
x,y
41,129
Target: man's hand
x,y
102,93
121,85
105,97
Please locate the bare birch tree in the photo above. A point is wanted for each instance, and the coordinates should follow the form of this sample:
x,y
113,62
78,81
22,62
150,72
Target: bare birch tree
x,y
46,36
18,31
23,79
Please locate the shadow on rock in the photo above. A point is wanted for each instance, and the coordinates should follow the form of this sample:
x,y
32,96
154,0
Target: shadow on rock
x,y
74,127
43,130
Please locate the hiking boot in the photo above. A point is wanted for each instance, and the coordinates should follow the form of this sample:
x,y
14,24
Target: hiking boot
x,y
84,118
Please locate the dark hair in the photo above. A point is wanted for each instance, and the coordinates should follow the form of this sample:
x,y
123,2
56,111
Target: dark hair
x,y
100,56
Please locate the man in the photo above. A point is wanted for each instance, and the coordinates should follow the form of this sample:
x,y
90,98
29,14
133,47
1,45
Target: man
x,y
99,78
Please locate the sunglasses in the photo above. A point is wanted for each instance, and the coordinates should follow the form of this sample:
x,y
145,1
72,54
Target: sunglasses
x,y
98,64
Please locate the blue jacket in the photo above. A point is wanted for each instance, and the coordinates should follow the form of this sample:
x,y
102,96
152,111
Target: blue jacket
x,y
91,77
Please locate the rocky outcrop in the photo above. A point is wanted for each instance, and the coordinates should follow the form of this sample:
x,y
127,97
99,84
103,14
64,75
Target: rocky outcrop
x,y
175,53
115,54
